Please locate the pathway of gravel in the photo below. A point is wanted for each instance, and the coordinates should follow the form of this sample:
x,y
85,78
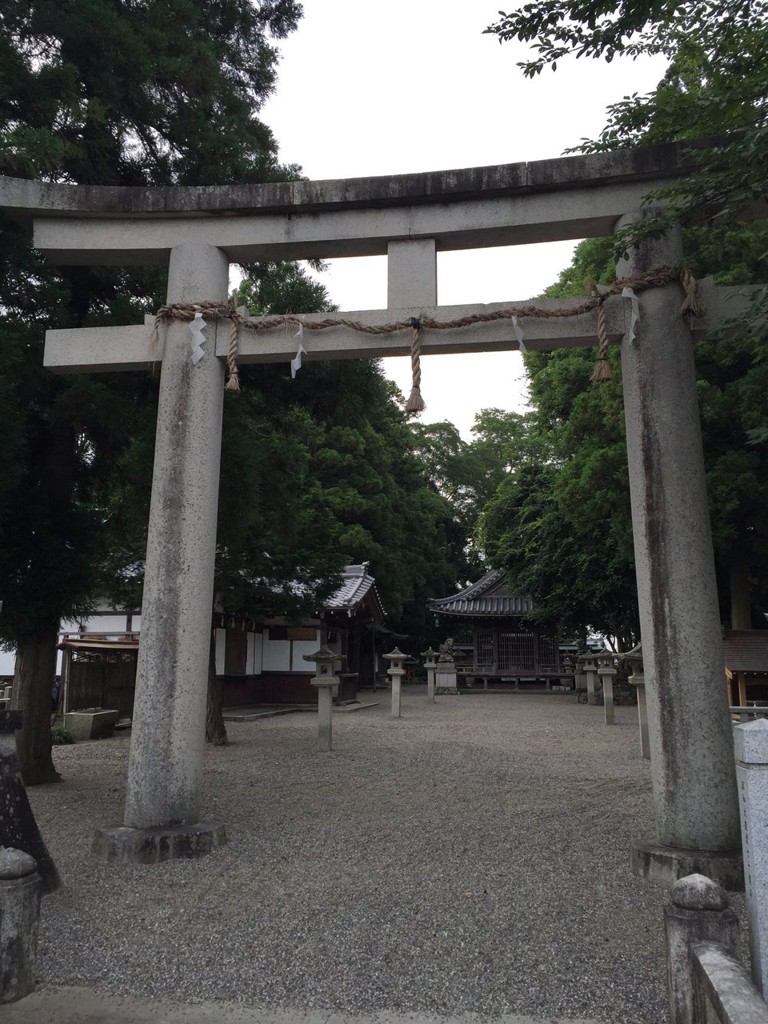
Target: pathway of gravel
x,y
469,857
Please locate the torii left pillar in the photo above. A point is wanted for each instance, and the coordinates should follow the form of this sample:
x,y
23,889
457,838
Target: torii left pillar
x,y
162,809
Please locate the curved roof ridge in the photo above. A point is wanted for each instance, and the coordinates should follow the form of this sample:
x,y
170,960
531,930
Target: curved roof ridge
x,y
476,601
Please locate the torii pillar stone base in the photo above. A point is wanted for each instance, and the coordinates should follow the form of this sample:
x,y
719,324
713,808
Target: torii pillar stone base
x,y
162,811
692,762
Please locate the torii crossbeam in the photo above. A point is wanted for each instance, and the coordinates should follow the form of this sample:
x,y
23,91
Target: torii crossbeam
x,y
411,217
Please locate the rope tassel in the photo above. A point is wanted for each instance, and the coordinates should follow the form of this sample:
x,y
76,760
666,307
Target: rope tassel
x,y
602,369
233,376
415,402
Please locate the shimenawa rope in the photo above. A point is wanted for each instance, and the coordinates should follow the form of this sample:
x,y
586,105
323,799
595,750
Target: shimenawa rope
x,y
653,278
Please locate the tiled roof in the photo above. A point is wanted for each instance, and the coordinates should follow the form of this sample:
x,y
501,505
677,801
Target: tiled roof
x,y
488,598
746,650
355,584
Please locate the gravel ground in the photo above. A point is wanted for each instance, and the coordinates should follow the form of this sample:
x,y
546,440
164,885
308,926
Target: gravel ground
x,y
470,857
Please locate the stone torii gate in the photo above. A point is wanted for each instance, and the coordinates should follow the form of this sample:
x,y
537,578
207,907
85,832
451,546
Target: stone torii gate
x,y
197,232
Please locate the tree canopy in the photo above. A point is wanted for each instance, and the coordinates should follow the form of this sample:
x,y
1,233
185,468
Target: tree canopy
x,y
714,89
317,471
715,86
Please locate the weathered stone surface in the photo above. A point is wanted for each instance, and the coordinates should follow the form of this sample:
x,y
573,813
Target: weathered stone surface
x,y
111,349
690,734
666,864
168,734
483,206
412,274
19,919
643,164
697,892
123,845
723,984
15,864
91,723
685,926
751,748
446,680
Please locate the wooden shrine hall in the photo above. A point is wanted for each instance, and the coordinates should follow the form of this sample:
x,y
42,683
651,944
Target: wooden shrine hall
x,y
505,647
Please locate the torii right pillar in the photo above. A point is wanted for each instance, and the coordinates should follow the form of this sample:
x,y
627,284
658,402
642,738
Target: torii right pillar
x,y
692,761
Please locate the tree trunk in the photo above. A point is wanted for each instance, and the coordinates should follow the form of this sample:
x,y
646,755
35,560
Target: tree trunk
x,y
215,730
31,694
741,610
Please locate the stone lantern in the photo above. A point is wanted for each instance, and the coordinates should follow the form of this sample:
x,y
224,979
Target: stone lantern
x,y
606,670
589,668
637,679
325,680
430,663
396,673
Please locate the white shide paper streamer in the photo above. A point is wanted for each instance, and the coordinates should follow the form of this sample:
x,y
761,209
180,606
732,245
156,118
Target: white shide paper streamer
x,y
300,351
634,315
197,329
519,334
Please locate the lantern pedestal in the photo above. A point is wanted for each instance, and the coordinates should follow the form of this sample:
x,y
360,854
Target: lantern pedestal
x,y
326,683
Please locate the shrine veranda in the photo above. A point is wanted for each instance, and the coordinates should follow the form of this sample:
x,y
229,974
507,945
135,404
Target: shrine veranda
x,y
198,231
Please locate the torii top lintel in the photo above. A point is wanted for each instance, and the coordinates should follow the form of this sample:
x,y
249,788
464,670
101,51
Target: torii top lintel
x,y
546,200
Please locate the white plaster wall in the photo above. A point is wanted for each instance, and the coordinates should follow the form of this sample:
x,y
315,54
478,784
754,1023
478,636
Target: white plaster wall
x,y
221,644
253,665
97,623
7,663
300,648
277,656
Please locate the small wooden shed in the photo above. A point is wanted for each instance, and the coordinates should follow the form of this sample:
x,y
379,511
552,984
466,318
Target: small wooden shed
x,y
745,652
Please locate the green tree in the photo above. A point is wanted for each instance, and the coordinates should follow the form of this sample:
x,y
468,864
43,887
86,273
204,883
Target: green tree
x,y
586,479
716,84
110,93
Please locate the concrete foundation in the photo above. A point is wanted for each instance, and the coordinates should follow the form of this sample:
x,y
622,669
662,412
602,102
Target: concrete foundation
x,y
666,864
446,680
165,768
91,724
123,845
698,912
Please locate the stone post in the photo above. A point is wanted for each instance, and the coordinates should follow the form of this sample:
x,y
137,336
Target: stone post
x,y
20,891
325,681
694,782
580,676
396,673
699,912
162,811
637,679
590,671
18,828
446,679
430,663
751,747
607,673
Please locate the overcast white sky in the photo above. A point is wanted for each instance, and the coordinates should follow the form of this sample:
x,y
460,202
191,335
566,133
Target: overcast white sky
x,y
414,85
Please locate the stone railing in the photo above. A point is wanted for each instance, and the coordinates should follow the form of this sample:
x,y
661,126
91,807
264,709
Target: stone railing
x,y
707,983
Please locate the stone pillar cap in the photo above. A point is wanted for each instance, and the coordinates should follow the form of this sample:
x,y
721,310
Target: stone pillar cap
x,y
324,656
429,653
395,655
697,892
15,863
